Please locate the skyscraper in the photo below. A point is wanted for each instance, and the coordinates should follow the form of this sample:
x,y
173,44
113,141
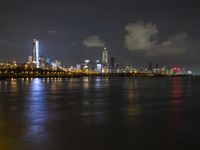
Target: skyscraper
x,y
105,61
112,64
36,52
150,66
30,59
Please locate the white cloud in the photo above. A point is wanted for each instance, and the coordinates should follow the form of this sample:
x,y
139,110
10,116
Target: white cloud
x,y
141,37
93,41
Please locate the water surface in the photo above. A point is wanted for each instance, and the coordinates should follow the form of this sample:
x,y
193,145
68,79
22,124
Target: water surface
x,y
99,113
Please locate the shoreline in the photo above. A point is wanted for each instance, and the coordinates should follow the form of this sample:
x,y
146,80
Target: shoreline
x,y
4,77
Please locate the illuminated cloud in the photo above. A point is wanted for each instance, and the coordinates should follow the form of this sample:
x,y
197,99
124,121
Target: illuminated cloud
x,y
142,37
93,41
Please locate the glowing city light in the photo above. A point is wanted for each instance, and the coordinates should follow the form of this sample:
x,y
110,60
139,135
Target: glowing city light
x,y
36,52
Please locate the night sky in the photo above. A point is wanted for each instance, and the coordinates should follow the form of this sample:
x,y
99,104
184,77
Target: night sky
x,y
134,31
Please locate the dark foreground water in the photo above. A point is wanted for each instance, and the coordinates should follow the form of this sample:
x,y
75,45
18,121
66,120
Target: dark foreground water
x,y
100,113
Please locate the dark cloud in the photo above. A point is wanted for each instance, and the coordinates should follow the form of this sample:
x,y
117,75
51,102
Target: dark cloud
x,y
176,44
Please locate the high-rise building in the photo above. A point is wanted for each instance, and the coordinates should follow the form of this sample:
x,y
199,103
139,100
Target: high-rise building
x,y
30,59
56,65
156,68
48,61
150,66
98,66
112,64
105,61
42,60
117,68
36,53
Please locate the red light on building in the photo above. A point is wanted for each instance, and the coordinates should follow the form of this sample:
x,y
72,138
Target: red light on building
x,y
177,70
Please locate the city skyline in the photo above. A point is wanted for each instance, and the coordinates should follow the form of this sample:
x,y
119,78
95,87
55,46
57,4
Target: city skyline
x,y
99,74
129,29
106,65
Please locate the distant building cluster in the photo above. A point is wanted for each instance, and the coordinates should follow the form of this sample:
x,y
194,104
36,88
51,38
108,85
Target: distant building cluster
x,y
105,65
42,62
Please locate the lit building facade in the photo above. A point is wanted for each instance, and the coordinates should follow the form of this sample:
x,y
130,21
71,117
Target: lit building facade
x,y
56,65
105,65
98,66
30,59
35,56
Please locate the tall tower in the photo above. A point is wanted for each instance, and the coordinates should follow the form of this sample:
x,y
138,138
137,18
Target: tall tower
x,y
105,61
36,52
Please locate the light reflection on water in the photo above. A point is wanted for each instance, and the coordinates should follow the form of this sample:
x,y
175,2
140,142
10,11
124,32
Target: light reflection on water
x,y
133,97
176,94
93,113
86,83
98,83
176,105
14,86
37,114
72,109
